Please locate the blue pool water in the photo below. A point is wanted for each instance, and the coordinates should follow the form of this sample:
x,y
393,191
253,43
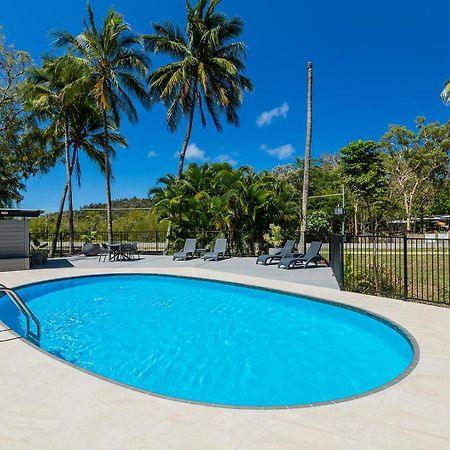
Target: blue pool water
x,y
213,342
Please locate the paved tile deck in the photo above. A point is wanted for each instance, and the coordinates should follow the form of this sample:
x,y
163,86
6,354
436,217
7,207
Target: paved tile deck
x,y
46,404
317,276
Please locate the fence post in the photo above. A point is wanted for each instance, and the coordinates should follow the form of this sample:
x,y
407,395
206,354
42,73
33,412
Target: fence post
x,y
60,245
342,260
405,268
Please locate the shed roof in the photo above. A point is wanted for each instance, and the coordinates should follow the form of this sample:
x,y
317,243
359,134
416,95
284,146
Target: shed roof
x,y
10,212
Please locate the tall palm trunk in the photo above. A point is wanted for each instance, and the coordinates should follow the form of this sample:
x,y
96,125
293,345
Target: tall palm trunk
x,y
69,186
61,208
307,163
107,176
186,142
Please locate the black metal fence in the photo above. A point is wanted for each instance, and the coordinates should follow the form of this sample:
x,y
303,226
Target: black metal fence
x,y
156,242
148,241
397,266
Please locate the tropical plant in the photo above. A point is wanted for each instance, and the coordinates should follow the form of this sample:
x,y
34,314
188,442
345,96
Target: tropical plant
x,y
206,71
318,225
89,237
117,67
51,93
216,197
274,236
20,157
86,134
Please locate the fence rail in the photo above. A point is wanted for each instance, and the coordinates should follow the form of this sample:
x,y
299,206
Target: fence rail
x,y
148,241
397,266
156,241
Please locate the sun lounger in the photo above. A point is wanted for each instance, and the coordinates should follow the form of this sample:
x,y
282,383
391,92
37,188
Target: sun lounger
x,y
188,251
282,252
300,260
220,247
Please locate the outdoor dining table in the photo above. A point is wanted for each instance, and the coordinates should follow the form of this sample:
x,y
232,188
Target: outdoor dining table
x,y
118,252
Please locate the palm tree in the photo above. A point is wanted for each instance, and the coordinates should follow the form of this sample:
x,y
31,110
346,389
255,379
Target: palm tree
x,y
117,65
207,69
307,163
51,93
86,133
445,94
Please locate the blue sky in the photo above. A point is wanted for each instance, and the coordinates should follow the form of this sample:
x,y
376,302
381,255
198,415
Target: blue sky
x,y
375,63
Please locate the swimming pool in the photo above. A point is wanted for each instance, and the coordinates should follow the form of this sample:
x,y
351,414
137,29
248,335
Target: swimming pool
x,y
214,343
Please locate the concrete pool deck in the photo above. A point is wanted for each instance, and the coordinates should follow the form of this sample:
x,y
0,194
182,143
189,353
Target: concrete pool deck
x,y
47,404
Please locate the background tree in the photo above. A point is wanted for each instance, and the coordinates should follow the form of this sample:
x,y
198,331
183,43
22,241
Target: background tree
x,y
207,71
85,134
307,163
51,93
19,157
417,162
365,178
117,68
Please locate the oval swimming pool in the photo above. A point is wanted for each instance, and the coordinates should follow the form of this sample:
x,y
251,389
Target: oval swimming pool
x,y
211,342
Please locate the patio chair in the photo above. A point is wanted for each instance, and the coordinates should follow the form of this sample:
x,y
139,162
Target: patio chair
x,y
300,260
129,251
220,248
104,252
265,260
188,251
134,250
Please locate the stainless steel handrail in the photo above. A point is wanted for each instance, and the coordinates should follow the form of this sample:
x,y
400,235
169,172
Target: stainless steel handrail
x,y
26,311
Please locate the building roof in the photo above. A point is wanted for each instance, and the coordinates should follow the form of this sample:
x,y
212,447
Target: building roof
x,y
9,212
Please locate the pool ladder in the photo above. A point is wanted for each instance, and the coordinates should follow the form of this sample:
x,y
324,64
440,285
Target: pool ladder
x,y
33,336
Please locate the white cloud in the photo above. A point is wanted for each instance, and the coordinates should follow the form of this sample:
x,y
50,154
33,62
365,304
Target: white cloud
x,y
225,157
282,152
152,154
193,152
266,117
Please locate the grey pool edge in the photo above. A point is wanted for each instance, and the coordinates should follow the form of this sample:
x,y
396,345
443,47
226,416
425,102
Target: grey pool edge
x,y
410,339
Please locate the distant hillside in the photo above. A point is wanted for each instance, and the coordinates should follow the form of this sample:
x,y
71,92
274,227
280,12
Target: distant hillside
x,y
129,214
133,202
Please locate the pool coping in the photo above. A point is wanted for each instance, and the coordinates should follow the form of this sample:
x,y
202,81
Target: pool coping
x,y
408,336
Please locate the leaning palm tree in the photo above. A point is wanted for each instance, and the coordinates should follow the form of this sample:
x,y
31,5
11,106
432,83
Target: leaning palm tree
x,y
206,72
118,66
51,93
86,134
445,94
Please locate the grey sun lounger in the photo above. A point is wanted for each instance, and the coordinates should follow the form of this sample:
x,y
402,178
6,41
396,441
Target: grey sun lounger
x,y
220,247
188,251
303,260
282,252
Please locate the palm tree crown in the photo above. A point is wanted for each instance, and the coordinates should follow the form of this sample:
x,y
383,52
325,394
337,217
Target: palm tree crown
x,y
117,62
445,94
207,71
52,93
